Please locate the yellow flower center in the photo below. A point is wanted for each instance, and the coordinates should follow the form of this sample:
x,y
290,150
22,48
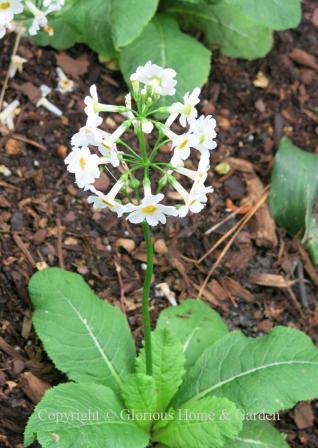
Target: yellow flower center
x,y
82,162
107,203
183,144
66,83
187,109
149,209
5,5
156,81
49,30
202,139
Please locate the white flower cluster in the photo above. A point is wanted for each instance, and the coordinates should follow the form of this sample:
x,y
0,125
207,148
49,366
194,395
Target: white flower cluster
x,y
199,136
10,8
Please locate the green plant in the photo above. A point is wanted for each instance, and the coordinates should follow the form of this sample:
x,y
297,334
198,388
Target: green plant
x,y
207,385
293,197
193,384
135,31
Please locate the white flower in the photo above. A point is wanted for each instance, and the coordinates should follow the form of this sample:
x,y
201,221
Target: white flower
x,y
8,114
2,31
194,201
64,83
204,131
16,65
93,106
8,8
199,176
186,110
108,200
89,134
150,210
181,146
160,80
146,125
108,147
84,165
44,102
40,17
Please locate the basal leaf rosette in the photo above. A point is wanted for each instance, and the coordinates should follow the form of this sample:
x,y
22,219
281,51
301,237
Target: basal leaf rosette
x,y
143,174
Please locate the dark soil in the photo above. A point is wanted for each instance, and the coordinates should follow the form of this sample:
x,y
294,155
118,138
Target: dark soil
x,y
45,219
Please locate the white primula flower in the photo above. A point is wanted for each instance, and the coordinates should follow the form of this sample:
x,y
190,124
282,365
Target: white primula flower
x,y
181,146
44,102
108,147
64,84
2,31
150,210
40,17
84,165
8,114
16,65
89,134
94,107
101,200
58,3
204,131
186,110
194,201
160,80
199,176
8,8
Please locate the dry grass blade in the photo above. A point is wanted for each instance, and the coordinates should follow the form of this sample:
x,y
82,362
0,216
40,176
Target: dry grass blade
x,y
229,244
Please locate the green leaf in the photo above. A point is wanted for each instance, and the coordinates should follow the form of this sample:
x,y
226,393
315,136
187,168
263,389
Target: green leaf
x,y
227,27
163,43
195,324
294,192
266,374
82,415
129,17
204,423
258,434
86,338
275,14
140,394
167,365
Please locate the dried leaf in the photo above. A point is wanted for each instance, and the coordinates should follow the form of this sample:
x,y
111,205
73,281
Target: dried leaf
x,y
73,67
271,280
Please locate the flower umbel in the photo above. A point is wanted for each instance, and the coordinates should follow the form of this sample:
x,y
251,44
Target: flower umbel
x,y
144,174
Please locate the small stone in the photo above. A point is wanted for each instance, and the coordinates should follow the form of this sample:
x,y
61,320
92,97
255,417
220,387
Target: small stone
x,y
160,247
261,80
127,244
61,151
222,168
17,221
13,147
5,171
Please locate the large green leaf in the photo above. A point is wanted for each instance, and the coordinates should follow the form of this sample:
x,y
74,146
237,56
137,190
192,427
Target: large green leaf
x,y
258,434
140,395
167,365
86,338
82,415
129,17
227,27
266,374
104,25
195,324
275,14
294,192
204,423
163,43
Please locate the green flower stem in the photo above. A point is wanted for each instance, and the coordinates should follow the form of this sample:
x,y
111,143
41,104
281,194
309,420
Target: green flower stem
x,y
145,298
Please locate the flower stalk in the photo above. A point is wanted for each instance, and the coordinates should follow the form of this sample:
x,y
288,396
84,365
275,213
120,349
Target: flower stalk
x,y
145,298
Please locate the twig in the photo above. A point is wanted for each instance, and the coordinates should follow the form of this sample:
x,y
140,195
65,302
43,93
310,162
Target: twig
x,y
121,287
23,139
223,221
18,241
230,242
6,80
59,248
302,288
307,262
